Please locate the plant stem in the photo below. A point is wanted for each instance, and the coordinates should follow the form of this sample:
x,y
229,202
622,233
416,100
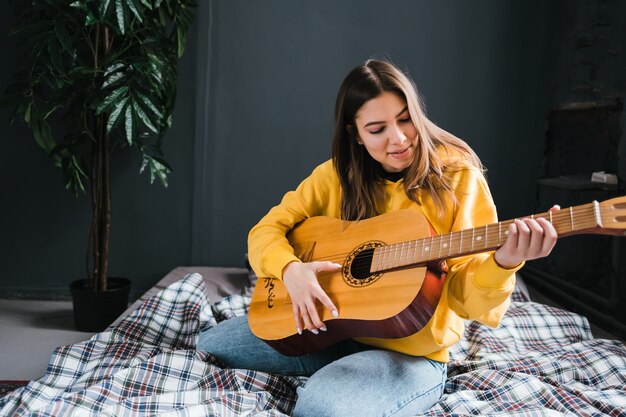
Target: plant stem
x,y
100,232
93,265
104,189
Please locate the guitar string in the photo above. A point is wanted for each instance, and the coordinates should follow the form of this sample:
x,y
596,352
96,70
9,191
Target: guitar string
x,y
455,239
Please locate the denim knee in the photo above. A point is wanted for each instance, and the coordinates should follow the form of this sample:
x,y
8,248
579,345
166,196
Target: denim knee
x,y
374,383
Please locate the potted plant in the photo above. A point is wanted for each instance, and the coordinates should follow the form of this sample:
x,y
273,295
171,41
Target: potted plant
x,y
100,77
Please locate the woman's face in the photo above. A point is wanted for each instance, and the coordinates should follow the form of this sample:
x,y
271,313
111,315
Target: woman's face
x,y
385,128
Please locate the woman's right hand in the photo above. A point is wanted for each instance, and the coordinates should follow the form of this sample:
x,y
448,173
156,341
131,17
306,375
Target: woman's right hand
x,y
300,278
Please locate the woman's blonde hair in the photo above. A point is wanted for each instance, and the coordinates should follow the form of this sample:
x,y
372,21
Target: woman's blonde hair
x,y
360,175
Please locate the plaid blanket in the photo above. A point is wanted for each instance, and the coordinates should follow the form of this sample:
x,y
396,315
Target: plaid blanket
x,y
540,361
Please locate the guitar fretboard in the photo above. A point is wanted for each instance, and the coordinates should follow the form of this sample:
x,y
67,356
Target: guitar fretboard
x,y
480,239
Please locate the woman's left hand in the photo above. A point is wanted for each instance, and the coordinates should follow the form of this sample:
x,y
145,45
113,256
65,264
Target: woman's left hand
x,y
527,239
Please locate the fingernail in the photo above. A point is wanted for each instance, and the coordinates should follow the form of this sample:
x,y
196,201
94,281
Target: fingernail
x,y
323,329
314,331
338,265
335,313
299,330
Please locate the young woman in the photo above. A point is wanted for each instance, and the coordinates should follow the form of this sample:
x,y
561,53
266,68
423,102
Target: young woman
x,y
386,156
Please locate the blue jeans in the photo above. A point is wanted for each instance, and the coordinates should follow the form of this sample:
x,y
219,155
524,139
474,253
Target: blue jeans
x,y
347,379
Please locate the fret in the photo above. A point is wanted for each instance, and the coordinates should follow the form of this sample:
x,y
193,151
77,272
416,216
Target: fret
x,y
408,251
499,233
399,260
374,266
386,258
451,247
434,252
550,213
476,238
422,253
486,236
439,253
571,216
506,232
415,252
461,242
406,255
429,249
395,256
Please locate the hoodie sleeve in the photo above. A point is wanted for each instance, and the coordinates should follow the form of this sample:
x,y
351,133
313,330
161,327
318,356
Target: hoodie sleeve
x,y
479,288
269,250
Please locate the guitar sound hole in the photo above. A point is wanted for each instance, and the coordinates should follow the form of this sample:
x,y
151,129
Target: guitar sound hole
x,y
360,268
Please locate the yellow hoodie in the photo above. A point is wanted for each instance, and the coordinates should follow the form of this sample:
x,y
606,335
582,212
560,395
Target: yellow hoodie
x,y
476,287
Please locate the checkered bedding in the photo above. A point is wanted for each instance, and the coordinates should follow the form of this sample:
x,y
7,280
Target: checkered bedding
x,y
541,361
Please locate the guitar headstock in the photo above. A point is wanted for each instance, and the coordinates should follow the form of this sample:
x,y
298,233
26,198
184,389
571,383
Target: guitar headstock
x,y
613,215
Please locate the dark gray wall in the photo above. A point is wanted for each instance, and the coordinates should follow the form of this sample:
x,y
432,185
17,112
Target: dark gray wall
x,y
254,115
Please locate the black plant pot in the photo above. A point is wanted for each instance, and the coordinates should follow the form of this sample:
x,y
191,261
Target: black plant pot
x,y
94,311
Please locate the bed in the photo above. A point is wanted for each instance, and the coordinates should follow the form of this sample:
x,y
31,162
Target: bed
x,y
541,361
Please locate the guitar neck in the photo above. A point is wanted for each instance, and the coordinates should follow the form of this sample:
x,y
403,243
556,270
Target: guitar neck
x,y
573,220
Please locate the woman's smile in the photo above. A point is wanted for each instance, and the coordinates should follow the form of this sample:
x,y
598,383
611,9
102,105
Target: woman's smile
x,y
400,154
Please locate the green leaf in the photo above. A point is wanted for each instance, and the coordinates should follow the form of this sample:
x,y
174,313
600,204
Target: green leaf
x,y
180,37
114,117
79,5
51,111
133,8
81,70
150,105
129,125
58,149
143,117
157,168
55,55
63,37
113,68
119,11
91,19
79,169
46,132
27,114
147,4
111,99
162,15
76,177
104,8
112,79
43,134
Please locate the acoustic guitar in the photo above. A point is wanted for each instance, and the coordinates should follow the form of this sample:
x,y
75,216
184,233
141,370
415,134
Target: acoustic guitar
x,y
390,282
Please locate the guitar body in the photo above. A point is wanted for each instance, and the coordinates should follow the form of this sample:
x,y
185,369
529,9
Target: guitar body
x,y
392,304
